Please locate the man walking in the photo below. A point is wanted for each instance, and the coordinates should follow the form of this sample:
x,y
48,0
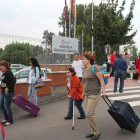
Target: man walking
x,y
120,66
78,66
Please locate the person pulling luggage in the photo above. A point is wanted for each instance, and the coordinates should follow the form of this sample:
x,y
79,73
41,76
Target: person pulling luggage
x,y
120,66
92,93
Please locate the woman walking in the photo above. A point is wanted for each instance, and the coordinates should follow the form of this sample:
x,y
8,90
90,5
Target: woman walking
x,y
32,79
7,86
112,59
138,68
92,93
107,59
74,86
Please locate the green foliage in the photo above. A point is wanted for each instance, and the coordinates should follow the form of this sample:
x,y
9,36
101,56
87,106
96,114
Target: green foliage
x,y
133,51
19,53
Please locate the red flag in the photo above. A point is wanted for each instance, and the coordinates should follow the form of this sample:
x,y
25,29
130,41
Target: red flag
x,y
66,10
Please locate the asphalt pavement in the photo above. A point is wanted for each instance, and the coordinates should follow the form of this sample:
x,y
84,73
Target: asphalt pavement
x,y
50,124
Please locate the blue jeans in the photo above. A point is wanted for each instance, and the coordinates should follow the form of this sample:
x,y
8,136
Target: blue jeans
x,y
78,104
119,74
5,105
32,92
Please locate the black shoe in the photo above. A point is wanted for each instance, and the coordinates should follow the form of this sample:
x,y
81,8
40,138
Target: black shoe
x,y
66,118
115,91
89,135
81,117
121,92
95,137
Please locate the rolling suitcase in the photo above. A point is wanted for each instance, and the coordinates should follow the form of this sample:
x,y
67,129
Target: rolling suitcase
x,y
135,75
26,105
123,114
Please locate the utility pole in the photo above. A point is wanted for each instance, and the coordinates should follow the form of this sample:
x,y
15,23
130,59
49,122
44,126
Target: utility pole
x,y
82,44
46,56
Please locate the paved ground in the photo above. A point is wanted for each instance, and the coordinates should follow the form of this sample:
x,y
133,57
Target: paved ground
x,y
50,125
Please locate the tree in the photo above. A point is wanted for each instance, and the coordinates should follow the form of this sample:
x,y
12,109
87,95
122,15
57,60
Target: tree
x,y
36,50
49,39
133,51
17,53
110,26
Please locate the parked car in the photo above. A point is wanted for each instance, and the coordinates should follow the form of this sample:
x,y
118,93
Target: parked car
x,y
22,74
104,65
132,65
17,66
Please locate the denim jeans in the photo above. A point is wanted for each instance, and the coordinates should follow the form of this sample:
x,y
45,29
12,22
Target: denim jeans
x,y
5,105
80,78
32,92
78,104
119,74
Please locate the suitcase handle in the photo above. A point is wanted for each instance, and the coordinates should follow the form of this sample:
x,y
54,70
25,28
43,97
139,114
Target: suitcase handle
x,y
115,108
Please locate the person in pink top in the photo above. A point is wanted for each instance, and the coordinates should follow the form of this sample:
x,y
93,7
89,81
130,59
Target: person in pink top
x,y
112,59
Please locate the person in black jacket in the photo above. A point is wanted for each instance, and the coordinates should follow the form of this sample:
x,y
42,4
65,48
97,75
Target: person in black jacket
x,y
7,92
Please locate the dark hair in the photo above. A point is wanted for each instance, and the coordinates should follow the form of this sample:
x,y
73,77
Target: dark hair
x,y
112,52
126,53
35,62
5,63
76,54
89,57
108,53
72,70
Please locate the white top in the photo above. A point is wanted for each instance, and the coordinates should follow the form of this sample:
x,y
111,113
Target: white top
x,y
30,74
68,84
108,60
78,66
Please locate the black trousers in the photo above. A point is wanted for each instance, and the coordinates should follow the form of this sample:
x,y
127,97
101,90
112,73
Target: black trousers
x,y
112,71
108,67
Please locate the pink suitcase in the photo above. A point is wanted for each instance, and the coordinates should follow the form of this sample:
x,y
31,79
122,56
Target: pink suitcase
x,y
26,105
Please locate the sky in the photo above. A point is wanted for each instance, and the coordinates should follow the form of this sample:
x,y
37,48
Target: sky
x,y
30,18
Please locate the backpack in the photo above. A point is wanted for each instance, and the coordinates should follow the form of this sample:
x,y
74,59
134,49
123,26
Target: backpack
x,y
104,74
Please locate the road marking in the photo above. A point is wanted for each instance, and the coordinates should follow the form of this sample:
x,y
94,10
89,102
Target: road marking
x,y
135,103
124,97
124,92
123,88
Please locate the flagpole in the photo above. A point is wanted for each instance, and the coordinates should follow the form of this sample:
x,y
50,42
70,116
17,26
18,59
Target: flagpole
x,y
92,28
69,26
75,19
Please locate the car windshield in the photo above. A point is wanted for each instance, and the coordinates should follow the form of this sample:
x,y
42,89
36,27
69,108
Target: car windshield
x,y
13,70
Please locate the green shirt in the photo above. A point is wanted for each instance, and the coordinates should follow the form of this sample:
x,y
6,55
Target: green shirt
x,y
91,81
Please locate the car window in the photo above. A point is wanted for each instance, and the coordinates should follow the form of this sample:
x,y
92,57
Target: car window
x,y
13,70
23,74
16,66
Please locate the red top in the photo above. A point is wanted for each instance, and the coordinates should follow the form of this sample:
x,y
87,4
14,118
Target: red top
x,y
138,64
112,59
94,57
75,84
80,57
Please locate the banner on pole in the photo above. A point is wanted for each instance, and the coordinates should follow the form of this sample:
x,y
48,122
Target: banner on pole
x,y
64,45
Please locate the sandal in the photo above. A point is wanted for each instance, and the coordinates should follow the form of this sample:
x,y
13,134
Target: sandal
x,y
4,121
7,124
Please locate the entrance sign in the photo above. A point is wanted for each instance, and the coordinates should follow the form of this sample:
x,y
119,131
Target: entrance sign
x,y
64,45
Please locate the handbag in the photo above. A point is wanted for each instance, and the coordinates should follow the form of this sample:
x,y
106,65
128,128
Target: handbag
x,y
39,82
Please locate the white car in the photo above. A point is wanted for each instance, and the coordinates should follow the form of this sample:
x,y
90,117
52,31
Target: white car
x,y
22,74
17,66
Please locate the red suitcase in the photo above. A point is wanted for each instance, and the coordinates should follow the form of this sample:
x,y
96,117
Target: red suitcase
x,y
26,105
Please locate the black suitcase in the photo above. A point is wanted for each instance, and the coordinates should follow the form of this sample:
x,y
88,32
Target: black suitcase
x,y
135,75
123,114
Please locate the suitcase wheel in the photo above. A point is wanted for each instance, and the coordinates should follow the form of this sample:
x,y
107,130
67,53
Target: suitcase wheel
x,y
35,116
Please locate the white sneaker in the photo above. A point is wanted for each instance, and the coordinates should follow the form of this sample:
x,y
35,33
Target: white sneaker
x,y
138,81
112,77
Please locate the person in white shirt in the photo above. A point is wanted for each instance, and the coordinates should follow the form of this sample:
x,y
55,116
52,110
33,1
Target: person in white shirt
x,y
78,66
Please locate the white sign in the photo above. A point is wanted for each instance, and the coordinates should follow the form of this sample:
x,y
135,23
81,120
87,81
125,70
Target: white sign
x,y
64,45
